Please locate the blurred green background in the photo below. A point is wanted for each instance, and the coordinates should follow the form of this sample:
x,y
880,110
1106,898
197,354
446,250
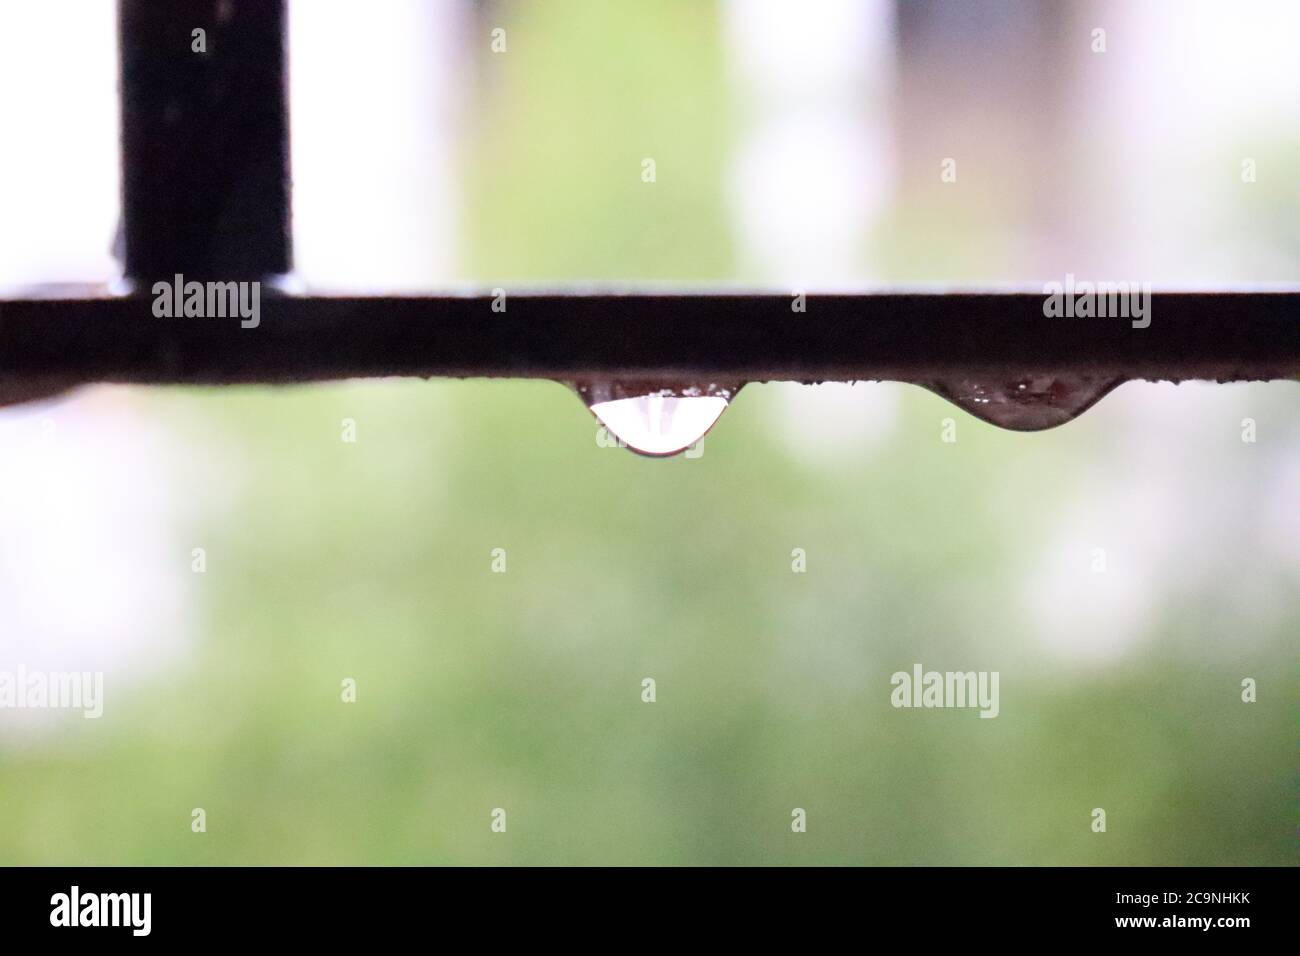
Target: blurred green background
x,y
372,560
521,690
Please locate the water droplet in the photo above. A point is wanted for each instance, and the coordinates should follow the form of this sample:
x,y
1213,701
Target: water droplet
x,y
656,419
1026,403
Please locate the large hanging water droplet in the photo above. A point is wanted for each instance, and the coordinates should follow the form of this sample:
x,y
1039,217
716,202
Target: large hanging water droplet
x,y
1026,403
655,419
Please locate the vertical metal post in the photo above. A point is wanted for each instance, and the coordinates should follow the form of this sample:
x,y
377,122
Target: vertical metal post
x,y
205,139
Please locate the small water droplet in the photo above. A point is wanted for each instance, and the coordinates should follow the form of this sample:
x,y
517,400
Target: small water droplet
x,y
1026,403
656,419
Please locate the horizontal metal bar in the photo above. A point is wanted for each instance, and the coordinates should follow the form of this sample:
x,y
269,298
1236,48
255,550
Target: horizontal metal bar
x,y
651,337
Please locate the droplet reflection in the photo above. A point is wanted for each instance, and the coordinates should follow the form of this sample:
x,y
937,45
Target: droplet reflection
x,y
654,419
1026,403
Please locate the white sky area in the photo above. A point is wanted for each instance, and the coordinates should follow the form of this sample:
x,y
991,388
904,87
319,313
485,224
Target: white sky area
x,y
59,147
1185,91
94,572
374,105
812,160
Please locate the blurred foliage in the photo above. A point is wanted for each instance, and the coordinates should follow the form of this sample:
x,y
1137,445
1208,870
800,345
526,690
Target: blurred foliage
x,y
562,128
522,690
